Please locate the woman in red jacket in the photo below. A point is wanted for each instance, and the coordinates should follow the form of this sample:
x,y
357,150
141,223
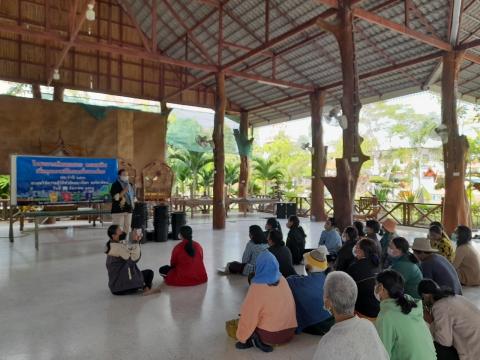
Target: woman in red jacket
x,y
186,265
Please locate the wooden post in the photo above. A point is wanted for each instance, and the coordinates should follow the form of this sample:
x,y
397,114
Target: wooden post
x,y
219,154
58,93
456,207
244,164
164,113
317,207
352,153
37,94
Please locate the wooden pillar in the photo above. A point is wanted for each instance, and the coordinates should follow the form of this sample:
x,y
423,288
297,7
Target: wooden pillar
x,y
353,157
456,206
317,207
37,94
58,93
164,114
219,154
244,163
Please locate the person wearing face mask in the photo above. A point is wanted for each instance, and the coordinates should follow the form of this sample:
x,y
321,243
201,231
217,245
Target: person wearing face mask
x,y
364,270
123,198
351,338
400,323
454,322
330,237
406,264
307,291
345,254
272,224
296,239
124,276
467,257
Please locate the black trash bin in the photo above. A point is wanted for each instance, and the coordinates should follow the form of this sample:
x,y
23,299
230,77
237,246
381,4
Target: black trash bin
x,y
178,220
286,209
160,223
281,210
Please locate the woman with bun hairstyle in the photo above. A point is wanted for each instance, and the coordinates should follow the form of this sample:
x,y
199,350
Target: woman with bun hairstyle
x,y
406,264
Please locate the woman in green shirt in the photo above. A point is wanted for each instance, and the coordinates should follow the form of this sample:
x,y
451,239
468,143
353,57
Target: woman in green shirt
x,y
400,323
406,264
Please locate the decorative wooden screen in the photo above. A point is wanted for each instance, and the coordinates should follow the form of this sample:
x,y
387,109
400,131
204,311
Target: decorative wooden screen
x,y
157,182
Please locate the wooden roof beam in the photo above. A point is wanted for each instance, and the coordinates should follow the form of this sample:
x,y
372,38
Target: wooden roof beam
x,y
454,26
364,76
191,36
75,29
401,29
131,16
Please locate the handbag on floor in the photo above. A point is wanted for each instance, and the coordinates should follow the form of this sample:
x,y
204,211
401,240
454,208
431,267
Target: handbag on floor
x,y
231,327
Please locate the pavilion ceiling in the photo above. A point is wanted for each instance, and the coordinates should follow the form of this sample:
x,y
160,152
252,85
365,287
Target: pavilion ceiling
x,y
272,51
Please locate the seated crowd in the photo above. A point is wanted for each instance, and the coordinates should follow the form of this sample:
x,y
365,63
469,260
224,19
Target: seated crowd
x,y
367,289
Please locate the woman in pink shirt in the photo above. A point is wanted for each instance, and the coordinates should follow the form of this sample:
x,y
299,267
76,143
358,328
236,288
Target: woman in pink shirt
x,y
267,316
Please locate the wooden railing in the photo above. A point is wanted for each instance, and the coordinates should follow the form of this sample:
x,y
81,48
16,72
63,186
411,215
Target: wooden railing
x,y
404,213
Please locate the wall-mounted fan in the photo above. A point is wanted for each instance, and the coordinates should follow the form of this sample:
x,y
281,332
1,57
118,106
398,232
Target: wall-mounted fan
x,y
336,117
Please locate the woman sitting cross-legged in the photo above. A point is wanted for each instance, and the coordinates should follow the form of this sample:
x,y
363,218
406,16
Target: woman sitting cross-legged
x,y
454,322
281,252
400,322
267,315
467,257
296,239
124,276
186,265
406,264
257,244
364,270
330,237
351,338
308,294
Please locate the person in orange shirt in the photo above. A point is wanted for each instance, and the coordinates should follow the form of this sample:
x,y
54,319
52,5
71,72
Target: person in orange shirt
x,y
268,314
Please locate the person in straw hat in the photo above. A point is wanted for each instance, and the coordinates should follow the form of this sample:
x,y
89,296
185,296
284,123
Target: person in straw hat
x,y
435,266
307,291
389,227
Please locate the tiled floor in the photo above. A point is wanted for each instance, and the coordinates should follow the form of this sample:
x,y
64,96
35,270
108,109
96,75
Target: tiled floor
x,y
55,304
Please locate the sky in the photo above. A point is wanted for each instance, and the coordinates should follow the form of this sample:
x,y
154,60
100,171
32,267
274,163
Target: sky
x,y
423,102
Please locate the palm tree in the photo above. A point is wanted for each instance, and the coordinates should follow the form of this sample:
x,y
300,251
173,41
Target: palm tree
x,y
266,170
206,174
192,160
182,174
232,173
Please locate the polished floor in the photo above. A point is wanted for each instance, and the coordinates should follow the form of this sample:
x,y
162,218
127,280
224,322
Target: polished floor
x,y
55,303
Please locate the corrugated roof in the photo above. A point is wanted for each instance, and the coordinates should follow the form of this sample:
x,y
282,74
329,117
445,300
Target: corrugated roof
x,y
316,63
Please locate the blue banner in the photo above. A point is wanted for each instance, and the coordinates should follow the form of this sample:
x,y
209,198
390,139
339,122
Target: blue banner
x,y
61,180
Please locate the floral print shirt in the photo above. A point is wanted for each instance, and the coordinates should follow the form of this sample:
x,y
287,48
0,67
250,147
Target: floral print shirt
x,y
444,247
